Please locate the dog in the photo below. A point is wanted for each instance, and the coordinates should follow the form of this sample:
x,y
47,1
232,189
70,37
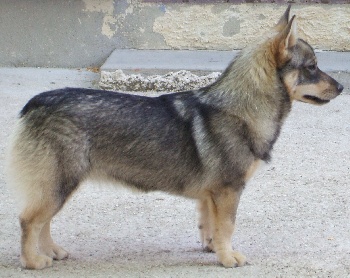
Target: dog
x,y
203,144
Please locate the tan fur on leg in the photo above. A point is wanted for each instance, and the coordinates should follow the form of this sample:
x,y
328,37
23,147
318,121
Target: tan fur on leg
x,y
31,228
48,247
36,236
223,206
204,225
252,169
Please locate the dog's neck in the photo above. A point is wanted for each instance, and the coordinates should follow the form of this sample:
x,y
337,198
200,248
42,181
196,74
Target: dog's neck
x,y
250,89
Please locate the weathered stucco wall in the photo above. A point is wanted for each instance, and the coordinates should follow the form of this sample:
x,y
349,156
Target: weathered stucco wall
x,y
228,26
83,33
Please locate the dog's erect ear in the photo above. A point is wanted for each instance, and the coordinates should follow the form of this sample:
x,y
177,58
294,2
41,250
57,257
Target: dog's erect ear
x,y
285,40
289,34
282,23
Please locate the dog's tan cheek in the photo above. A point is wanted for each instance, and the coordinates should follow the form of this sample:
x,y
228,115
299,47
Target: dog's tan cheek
x,y
290,81
302,90
317,89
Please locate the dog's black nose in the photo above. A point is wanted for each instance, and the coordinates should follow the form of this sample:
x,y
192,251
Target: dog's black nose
x,y
340,88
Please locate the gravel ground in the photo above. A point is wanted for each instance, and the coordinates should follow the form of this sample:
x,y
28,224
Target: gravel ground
x,y
293,219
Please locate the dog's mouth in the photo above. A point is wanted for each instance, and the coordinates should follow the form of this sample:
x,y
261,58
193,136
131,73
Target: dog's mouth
x,y
316,99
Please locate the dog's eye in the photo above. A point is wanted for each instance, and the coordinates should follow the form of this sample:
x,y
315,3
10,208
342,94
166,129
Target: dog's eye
x,y
312,67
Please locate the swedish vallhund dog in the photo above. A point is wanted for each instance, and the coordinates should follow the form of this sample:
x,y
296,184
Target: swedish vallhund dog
x,y
203,144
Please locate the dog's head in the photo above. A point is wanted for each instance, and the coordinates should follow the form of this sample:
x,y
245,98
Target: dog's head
x,y
297,66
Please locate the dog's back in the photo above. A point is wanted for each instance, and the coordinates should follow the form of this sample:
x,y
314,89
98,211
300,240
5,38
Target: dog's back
x,y
133,139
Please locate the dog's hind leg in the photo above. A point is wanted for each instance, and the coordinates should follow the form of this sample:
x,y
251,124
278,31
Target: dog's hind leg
x,y
45,241
47,161
47,245
222,205
35,216
38,248
43,184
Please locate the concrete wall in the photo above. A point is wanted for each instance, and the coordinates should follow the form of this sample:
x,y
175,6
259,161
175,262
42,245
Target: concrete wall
x,y
82,33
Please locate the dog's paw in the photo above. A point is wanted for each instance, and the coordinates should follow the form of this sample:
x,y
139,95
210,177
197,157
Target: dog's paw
x,y
207,245
208,249
232,259
54,251
36,262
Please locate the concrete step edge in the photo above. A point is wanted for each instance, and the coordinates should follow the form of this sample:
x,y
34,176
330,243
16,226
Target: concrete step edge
x,y
151,62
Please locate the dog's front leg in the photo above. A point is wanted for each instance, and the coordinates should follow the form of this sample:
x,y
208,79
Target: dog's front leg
x,y
222,207
205,229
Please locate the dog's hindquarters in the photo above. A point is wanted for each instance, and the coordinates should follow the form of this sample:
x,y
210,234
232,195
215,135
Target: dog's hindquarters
x,y
45,165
